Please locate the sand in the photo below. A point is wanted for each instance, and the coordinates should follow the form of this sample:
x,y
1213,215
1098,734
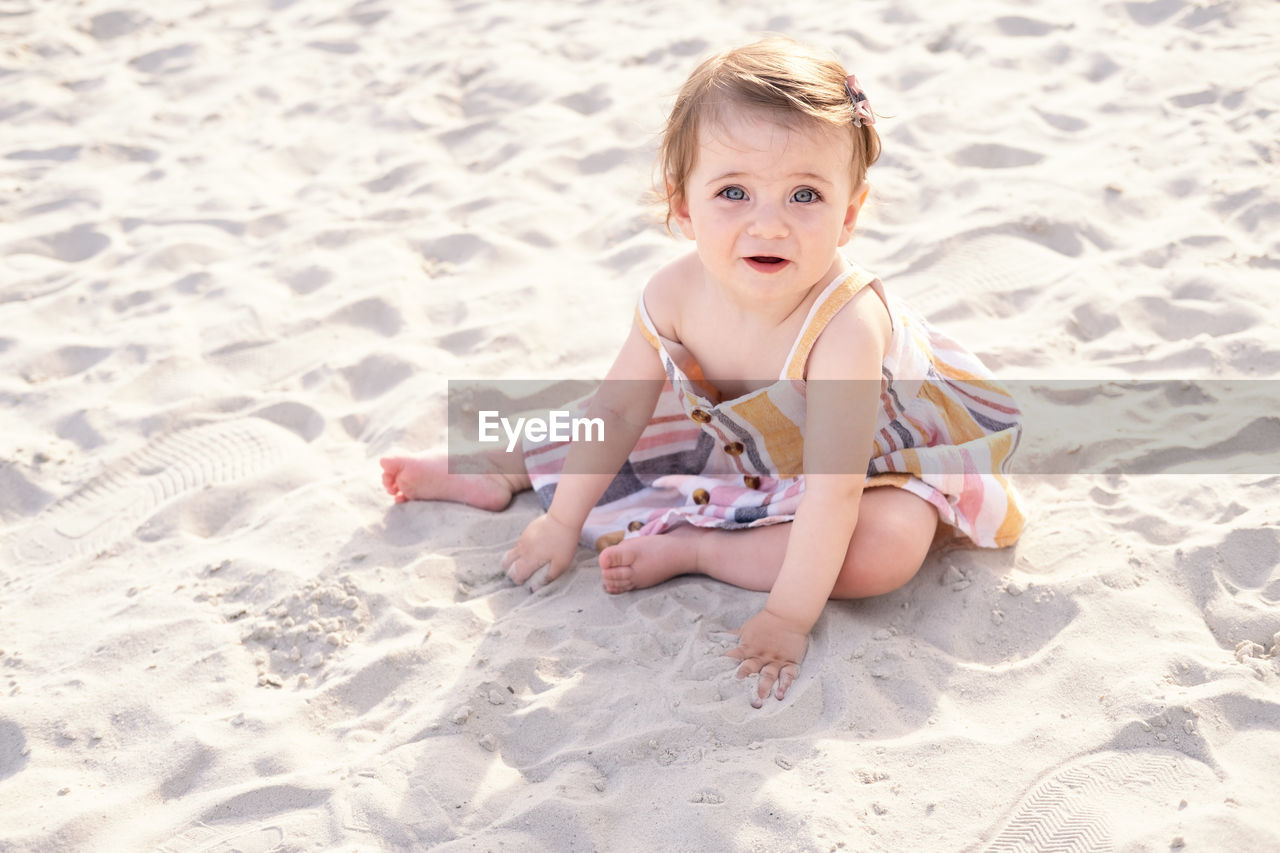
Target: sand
x,y
243,247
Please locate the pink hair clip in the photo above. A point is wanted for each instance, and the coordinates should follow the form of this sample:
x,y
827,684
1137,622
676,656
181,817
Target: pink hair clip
x,y
861,106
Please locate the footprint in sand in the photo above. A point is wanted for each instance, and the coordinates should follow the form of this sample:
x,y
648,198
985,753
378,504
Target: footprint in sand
x,y
114,24
268,819
589,101
1155,12
114,504
64,362
255,839
993,156
13,748
374,314
167,60
1086,804
1005,272
76,244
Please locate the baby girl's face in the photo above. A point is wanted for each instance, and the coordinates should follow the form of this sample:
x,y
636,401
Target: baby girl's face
x,y
769,204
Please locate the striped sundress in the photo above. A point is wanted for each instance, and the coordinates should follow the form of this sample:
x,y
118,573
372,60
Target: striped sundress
x,y
946,430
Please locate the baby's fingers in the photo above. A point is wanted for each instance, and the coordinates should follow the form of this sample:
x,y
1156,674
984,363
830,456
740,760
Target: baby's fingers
x,y
750,666
519,567
744,653
785,679
768,676
520,570
555,568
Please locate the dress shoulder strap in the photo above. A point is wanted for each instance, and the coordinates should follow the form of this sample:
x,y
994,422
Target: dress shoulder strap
x,y
833,297
645,323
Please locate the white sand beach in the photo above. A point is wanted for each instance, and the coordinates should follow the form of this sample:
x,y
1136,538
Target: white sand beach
x,y
244,244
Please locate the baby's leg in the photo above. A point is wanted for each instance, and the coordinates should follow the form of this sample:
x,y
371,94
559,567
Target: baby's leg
x,y
427,478
894,532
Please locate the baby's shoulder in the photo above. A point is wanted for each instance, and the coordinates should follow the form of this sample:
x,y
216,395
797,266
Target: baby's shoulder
x,y
667,293
855,340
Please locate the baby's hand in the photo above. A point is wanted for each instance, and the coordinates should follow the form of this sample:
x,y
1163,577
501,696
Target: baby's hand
x,y
771,646
544,541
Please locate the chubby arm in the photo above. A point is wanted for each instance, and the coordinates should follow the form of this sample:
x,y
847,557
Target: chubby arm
x,y
624,403
843,395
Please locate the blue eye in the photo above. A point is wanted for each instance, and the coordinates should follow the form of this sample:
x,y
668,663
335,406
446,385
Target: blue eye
x,y
734,193
805,196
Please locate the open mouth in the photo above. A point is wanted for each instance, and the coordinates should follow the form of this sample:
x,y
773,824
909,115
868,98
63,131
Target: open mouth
x,y
766,263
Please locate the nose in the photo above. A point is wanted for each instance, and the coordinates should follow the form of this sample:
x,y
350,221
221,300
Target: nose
x,y
768,222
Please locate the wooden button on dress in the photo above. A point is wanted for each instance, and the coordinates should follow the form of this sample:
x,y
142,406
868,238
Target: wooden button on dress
x,y
701,497
702,416
607,539
734,449
751,481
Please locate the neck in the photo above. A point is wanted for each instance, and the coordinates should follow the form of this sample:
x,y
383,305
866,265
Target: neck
x,y
770,313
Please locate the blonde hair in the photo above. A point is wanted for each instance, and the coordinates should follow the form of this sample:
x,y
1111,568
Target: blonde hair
x,y
778,75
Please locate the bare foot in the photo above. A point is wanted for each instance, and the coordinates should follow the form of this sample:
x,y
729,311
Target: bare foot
x,y
428,479
648,560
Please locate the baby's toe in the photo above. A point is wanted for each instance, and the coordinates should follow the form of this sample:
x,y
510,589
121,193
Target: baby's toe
x,y
618,579
613,557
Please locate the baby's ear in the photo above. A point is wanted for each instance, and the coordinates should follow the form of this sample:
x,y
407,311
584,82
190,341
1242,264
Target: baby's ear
x,y
679,206
856,201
